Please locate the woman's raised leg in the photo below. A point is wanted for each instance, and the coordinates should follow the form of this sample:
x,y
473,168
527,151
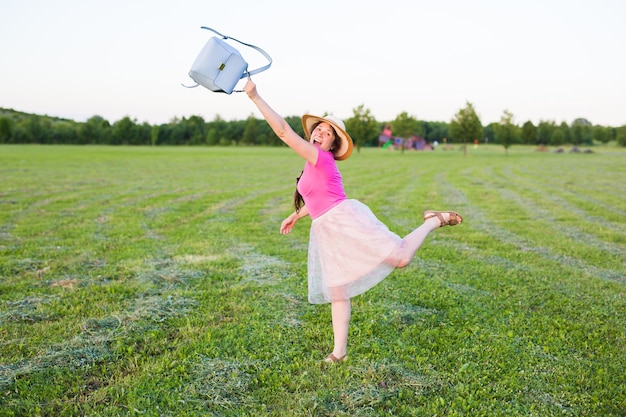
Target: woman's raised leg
x,y
412,242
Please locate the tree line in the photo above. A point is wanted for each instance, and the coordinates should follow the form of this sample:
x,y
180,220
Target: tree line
x,y
24,128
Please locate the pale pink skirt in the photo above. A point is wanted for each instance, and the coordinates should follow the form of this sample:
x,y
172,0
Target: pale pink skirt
x,y
347,249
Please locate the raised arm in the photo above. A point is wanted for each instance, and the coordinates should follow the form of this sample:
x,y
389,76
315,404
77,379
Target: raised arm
x,y
280,126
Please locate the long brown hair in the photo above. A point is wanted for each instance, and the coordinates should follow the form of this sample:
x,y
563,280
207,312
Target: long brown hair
x,y
298,201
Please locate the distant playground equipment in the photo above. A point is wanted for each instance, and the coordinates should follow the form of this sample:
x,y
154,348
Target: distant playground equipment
x,y
387,141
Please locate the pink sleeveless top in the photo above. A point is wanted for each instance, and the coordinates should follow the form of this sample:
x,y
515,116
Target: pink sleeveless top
x,y
321,185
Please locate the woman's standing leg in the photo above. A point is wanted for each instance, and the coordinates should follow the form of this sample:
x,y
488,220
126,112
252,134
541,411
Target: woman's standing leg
x,y
341,322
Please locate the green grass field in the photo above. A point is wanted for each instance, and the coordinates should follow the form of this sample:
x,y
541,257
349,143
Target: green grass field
x,y
154,282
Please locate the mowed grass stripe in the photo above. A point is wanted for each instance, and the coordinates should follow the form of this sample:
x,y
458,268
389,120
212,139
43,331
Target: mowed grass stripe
x,y
552,227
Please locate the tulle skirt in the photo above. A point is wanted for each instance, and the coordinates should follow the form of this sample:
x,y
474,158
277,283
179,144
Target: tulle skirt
x,y
347,249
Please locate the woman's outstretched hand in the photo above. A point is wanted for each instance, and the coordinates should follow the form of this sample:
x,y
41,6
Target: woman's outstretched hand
x,y
288,224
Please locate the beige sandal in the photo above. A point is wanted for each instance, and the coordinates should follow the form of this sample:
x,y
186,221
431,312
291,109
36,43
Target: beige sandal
x,y
332,358
455,218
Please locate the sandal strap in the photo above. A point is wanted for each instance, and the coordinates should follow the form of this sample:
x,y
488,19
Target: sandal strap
x,y
454,217
333,358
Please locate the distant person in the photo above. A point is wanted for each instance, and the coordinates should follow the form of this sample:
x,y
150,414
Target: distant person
x,y
350,250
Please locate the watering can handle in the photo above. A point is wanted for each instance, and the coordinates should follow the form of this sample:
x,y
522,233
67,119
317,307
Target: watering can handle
x,y
261,51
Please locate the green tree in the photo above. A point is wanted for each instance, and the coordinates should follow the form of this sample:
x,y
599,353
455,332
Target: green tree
x,y
181,131
194,130
602,134
63,132
362,127
506,131
122,131
154,135
466,125
577,134
6,130
545,129
216,130
581,132
611,133
435,131
567,133
558,137
234,131
296,124
406,126
31,129
96,130
85,134
529,133
489,133
141,134
251,132
621,135
212,137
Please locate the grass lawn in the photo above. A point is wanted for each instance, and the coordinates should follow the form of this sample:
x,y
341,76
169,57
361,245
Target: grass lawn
x,y
154,282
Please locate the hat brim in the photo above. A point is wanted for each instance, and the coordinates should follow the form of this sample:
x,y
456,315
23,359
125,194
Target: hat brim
x,y
345,150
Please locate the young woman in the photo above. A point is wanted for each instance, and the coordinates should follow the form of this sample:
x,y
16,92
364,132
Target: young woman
x,y
350,250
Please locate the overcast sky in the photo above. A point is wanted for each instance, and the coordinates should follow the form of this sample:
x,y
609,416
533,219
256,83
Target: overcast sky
x,y
539,59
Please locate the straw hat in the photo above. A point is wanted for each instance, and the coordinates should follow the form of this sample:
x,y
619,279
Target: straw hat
x,y
344,151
